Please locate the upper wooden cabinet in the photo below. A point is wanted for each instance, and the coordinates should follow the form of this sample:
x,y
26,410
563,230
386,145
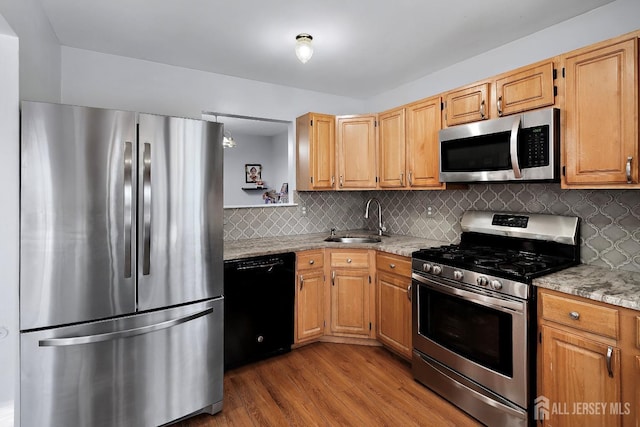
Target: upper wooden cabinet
x,y
424,120
408,139
467,104
525,89
357,140
600,136
391,132
315,140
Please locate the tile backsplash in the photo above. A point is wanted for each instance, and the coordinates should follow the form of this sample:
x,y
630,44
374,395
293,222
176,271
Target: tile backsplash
x,y
610,219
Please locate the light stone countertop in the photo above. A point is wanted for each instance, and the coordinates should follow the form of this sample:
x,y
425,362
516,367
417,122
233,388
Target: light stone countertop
x,y
617,287
395,244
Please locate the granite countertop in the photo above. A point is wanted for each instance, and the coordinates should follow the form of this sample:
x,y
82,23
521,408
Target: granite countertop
x,y
395,244
617,287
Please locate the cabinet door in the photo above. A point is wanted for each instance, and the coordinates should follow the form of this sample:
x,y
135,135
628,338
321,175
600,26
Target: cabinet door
x,y
356,152
525,90
350,302
468,104
576,377
394,312
424,120
392,149
315,150
601,116
309,305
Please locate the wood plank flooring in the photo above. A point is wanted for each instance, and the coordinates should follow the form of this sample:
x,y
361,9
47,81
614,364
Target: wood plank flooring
x,y
330,384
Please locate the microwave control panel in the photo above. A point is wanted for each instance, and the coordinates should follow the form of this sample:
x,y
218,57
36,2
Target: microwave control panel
x,y
533,147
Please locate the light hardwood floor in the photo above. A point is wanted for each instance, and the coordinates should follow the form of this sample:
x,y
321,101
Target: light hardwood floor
x,y
330,385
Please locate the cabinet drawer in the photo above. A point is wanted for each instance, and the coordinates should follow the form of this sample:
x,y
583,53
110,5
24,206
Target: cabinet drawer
x,y
394,264
350,259
580,315
310,259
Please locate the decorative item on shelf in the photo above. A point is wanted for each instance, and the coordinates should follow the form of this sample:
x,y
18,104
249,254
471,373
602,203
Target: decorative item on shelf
x,y
253,173
270,197
304,50
283,195
227,140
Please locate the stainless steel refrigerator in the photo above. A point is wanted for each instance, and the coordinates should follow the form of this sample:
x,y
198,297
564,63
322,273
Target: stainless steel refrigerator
x,y
121,294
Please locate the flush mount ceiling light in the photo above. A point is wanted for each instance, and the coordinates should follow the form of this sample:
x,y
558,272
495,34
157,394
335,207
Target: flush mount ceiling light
x,y
227,140
304,50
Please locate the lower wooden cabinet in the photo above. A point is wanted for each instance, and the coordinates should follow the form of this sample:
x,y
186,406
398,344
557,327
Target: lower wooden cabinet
x,y
577,371
350,293
393,303
310,288
588,363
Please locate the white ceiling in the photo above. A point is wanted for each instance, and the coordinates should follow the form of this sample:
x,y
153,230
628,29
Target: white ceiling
x,y
362,47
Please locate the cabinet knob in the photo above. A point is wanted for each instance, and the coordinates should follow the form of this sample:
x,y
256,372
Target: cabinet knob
x,y
574,315
349,260
392,265
311,262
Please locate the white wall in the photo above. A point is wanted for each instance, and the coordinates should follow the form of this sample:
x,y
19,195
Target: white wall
x,y
9,222
40,57
279,160
613,19
110,81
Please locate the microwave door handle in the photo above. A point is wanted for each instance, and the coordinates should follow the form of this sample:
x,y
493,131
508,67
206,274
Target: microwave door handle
x,y
515,165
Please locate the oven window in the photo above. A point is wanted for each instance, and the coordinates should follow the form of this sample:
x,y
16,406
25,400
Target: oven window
x,y
473,331
478,153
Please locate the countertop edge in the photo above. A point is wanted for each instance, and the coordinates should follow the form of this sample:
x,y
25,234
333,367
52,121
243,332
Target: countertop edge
x,y
616,287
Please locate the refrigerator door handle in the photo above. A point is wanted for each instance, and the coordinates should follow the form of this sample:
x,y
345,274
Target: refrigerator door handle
x,y
128,206
146,209
110,336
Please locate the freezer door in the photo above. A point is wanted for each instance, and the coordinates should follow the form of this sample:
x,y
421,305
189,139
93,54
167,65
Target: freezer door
x,y
142,370
77,229
179,211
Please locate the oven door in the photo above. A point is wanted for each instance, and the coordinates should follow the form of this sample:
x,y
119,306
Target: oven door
x,y
480,334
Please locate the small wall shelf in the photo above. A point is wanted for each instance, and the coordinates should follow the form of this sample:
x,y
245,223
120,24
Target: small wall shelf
x,y
254,188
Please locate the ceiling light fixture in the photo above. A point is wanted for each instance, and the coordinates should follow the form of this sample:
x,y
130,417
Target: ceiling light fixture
x,y
227,140
304,50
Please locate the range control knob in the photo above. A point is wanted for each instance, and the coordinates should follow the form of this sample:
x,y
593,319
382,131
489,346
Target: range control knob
x,y
426,267
496,284
457,274
436,269
482,281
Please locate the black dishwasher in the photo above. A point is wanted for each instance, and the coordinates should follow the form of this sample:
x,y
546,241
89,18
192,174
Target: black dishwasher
x,y
258,308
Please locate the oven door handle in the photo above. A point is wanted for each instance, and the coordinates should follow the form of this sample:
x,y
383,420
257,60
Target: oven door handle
x,y
503,305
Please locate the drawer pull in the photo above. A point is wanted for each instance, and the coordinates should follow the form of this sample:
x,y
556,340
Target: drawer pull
x,y
609,356
311,262
301,282
392,265
574,315
409,292
348,260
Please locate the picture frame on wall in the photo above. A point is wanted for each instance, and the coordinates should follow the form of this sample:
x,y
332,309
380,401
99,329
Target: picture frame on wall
x,y
253,173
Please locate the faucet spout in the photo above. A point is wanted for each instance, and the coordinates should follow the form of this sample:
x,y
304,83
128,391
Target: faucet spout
x,y
381,226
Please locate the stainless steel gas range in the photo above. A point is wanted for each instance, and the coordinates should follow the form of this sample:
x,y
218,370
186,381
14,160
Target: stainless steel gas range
x,y
474,337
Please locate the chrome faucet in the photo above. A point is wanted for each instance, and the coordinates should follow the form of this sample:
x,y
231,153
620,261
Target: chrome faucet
x,y
381,226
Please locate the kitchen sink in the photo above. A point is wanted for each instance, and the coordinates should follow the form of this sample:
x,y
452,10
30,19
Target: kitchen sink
x,y
354,239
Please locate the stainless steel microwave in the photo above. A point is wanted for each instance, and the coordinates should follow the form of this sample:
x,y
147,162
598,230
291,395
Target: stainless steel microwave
x,y
522,147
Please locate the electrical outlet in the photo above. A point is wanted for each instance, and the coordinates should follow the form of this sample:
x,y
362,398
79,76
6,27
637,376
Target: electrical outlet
x,y
303,211
430,211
